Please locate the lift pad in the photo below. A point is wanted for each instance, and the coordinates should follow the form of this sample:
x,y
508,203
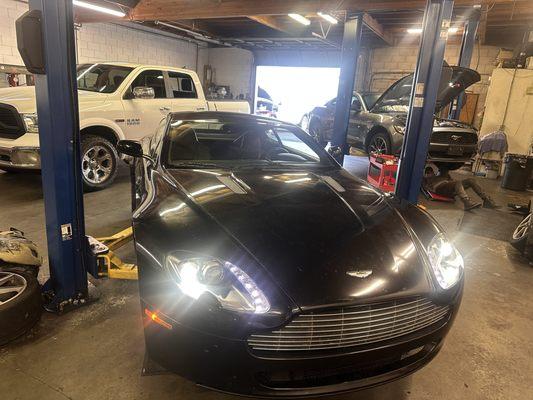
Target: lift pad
x,y
109,264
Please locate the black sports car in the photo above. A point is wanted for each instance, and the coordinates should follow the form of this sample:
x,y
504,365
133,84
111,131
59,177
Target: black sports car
x,y
266,269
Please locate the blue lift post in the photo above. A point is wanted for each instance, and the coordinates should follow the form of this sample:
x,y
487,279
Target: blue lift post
x,y
465,55
351,42
426,82
57,108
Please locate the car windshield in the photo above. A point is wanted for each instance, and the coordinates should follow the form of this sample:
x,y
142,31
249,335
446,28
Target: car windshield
x,y
396,99
231,144
102,78
370,99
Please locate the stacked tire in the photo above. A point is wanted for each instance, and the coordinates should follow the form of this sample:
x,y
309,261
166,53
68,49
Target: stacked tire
x,y
20,301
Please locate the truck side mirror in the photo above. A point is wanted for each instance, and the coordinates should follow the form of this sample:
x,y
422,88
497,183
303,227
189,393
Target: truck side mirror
x,y
143,92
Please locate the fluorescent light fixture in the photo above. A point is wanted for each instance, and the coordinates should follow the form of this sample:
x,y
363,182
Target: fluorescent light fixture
x,y
300,18
101,9
451,30
327,17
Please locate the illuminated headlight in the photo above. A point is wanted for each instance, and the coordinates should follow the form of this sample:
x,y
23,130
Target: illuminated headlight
x,y
445,260
399,129
31,122
229,284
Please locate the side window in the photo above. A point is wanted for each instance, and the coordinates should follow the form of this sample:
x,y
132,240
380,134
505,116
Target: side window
x,y
291,142
181,86
153,79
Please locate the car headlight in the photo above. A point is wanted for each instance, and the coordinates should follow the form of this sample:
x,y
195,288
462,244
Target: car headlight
x,y
31,122
229,284
445,260
399,129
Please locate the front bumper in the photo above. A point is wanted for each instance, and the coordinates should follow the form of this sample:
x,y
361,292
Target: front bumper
x,y
445,152
228,365
20,157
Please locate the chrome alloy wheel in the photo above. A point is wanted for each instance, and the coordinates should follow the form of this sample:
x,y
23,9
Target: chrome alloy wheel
x,y
378,145
522,229
97,164
11,286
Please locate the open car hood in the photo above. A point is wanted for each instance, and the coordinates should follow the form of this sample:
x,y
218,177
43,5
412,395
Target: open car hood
x,y
453,81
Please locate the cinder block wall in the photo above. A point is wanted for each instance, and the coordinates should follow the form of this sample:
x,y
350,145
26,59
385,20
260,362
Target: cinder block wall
x,y
388,64
103,42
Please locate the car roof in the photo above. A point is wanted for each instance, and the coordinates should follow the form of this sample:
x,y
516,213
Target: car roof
x,y
220,116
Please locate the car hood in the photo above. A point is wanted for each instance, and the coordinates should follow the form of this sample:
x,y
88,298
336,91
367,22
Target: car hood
x,y
23,98
324,238
454,80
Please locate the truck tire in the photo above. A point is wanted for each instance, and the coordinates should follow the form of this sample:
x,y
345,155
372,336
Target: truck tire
x,y
99,161
21,308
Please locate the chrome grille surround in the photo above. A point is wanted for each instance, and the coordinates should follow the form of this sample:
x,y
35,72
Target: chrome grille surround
x,y
350,326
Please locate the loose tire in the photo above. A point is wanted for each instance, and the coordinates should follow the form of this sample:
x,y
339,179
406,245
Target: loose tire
x,y
20,303
99,160
521,233
379,143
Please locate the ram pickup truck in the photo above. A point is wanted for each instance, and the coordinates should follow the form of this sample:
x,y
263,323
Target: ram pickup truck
x,y
116,101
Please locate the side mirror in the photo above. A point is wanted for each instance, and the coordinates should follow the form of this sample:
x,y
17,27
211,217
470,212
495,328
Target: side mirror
x,y
131,148
143,92
356,106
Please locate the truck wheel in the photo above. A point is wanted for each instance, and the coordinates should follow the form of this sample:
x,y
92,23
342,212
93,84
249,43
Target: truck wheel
x,y
379,143
20,303
98,162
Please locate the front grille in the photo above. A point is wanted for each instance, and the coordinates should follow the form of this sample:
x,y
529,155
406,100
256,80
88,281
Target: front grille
x,y
453,137
11,124
350,326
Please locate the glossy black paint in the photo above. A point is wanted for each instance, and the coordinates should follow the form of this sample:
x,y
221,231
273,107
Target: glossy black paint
x,y
296,238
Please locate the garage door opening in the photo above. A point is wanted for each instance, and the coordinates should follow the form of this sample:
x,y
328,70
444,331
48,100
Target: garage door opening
x,y
287,93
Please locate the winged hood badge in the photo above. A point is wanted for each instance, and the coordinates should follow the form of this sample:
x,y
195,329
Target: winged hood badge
x,y
364,273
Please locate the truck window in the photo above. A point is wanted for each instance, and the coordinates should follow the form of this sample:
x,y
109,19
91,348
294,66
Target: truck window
x,y
182,86
153,79
101,78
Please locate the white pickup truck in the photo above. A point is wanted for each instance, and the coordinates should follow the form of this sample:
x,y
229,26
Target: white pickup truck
x,y
116,101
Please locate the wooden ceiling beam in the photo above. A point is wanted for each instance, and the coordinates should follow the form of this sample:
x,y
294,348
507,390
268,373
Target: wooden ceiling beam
x,y
377,29
269,21
149,10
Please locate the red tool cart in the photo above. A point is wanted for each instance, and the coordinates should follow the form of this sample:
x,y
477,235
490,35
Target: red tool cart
x,y
382,171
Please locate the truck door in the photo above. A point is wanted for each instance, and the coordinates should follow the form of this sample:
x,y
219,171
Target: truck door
x,y
183,93
142,116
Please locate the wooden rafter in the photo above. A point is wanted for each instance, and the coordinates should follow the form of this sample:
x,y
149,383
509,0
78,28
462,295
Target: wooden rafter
x,y
269,21
378,29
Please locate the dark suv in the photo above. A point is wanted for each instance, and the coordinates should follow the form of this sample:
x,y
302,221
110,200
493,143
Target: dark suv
x,y
377,125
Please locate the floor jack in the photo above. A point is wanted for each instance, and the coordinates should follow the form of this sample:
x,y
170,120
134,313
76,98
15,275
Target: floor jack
x,y
108,263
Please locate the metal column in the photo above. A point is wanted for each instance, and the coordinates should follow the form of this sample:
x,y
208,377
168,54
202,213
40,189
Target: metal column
x,y
57,107
351,43
426,84
465,55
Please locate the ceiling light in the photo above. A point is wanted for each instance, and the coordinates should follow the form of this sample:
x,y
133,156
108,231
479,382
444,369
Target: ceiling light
x,y
101,9
327,17
419,30
300,18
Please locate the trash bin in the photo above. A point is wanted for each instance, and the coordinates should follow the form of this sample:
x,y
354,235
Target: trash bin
x,y
517,172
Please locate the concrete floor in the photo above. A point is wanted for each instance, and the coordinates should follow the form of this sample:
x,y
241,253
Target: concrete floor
x,y
96,352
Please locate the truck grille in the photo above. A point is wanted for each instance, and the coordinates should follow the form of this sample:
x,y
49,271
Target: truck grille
x,y
11,124
351,326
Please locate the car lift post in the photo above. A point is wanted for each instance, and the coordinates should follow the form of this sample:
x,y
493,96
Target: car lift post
x,y
45,36
351,43
426,82
465,55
